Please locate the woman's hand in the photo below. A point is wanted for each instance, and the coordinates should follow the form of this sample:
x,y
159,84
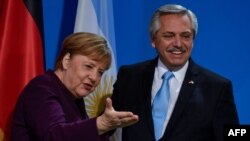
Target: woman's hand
x,y
112,119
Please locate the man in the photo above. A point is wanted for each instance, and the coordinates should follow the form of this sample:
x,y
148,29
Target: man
x,y
200,102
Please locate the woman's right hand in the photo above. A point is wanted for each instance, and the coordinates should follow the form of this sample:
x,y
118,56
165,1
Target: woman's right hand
x,y
112,119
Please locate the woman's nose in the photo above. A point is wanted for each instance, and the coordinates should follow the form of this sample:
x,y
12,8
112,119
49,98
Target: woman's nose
x,y
93,76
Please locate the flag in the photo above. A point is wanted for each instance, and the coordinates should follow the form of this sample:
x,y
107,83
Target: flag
x,y
96,16
21,53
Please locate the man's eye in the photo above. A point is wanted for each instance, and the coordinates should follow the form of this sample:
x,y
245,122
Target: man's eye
x,y
187,36
168,36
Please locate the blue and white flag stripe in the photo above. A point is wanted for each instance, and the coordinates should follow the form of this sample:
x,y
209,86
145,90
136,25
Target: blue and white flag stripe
x,y
96,16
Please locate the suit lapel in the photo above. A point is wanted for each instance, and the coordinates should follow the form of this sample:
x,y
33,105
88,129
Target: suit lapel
x,y
147,82
186,91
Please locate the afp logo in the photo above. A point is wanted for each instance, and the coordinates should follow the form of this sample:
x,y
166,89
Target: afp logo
x,y
237,133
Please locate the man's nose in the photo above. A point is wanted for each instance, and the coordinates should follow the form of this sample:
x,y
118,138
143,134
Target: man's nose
x,y
177,41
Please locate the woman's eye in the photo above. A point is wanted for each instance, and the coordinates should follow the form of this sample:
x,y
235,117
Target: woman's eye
x,y
101,73
88,66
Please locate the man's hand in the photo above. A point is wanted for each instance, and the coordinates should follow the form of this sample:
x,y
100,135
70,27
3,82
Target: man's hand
x,y
112,119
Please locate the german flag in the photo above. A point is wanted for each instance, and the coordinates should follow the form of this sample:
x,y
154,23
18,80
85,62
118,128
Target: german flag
x,y
21,53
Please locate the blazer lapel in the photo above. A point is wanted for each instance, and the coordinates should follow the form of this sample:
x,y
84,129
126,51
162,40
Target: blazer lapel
x,y
147,82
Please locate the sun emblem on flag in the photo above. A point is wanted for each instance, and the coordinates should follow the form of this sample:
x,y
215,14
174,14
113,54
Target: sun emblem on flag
x,y
95,102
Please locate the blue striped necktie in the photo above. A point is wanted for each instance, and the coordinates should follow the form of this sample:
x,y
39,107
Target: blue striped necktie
x,y
160,105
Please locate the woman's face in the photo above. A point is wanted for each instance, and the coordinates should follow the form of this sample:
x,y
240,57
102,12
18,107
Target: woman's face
x,y
81,74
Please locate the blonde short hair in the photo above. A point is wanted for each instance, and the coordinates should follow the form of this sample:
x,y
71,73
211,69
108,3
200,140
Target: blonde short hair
x,y
88,44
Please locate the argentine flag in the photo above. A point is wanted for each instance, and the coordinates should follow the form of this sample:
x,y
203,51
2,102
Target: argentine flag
x,y
96,16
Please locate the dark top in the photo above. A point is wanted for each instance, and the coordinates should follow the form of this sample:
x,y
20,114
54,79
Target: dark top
x,y
47,111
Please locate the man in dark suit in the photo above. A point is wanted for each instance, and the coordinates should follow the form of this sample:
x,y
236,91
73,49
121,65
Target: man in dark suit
x,y
200,103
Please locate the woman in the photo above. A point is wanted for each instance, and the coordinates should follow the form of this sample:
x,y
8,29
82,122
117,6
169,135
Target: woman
x,y
51,106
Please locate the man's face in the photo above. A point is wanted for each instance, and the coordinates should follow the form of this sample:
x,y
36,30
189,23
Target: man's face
x,y
174,40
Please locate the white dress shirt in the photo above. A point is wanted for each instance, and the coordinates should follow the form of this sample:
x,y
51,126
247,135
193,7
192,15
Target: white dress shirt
x,y
174,85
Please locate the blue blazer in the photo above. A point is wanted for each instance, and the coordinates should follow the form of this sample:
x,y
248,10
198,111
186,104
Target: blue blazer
x,y
201,110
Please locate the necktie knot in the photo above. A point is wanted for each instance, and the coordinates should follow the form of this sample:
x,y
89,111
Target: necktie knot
x,y
167,75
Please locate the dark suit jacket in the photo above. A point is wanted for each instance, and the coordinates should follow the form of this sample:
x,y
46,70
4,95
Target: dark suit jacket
x,y
47,111
201,110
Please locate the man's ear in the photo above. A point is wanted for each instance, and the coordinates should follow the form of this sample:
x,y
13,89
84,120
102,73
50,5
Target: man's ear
x,y
153,43
66,61
153,40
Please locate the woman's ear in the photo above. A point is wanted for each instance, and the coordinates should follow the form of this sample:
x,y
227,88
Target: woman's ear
x,y
66,61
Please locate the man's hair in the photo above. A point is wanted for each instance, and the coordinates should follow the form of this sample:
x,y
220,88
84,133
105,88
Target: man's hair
x,y
171,9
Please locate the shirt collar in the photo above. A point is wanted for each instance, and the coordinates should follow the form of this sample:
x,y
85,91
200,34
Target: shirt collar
x,y
179,74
